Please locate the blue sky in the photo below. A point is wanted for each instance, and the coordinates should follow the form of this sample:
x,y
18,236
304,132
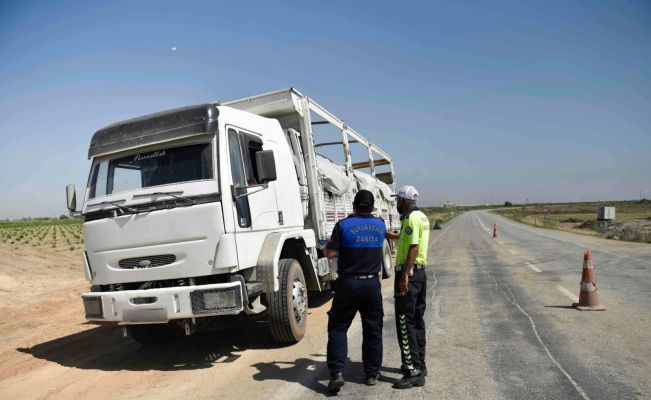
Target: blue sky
x,y
476,101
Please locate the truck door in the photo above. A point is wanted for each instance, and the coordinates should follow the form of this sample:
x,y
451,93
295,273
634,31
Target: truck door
x,y
255,209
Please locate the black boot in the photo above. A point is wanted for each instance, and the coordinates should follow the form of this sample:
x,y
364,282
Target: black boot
x,y
416,378
336,382
371,378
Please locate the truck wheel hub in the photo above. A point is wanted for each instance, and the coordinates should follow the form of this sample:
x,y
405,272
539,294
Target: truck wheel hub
x,y
299,303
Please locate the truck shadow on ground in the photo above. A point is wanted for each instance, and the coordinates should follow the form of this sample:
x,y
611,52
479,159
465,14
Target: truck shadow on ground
x,y
312,373
104,347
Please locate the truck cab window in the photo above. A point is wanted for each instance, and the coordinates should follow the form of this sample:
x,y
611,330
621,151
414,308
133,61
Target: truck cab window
x,y
237,169
239,179
98,183
126,177
251,145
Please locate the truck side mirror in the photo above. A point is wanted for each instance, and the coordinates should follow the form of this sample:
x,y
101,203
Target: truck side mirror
x,y
71,197
266,166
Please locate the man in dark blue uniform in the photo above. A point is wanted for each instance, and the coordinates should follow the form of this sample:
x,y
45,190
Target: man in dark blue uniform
x,y
357,241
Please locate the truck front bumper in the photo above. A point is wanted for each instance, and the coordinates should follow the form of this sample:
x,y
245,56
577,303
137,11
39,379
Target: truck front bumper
x,y
164,304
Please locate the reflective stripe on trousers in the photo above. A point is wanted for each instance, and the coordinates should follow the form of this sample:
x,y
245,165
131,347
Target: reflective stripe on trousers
x,y
410,325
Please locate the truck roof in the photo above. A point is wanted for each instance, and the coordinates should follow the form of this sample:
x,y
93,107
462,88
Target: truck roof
x,y
154,128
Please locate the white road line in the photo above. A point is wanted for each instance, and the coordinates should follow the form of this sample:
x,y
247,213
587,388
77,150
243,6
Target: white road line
x,y
512,251
567,293
482,225
533,267
480,222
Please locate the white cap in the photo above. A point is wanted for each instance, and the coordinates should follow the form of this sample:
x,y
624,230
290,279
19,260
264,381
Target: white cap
x,y
408,193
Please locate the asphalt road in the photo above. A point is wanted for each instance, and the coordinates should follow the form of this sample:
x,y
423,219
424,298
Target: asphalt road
x,y
501,325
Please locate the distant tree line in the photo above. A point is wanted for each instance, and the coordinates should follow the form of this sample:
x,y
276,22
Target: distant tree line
x,y
60,217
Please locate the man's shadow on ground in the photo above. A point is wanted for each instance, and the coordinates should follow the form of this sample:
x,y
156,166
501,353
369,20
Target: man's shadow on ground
x,y
312,373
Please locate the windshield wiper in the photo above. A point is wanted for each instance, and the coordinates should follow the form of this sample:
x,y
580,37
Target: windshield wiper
x,y
122,208
171,194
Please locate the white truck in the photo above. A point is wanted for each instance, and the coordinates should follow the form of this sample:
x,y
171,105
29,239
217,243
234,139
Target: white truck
x,y
220,209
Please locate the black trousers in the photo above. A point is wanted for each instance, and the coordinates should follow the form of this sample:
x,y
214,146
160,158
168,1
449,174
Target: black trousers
x,y
410,325
352,295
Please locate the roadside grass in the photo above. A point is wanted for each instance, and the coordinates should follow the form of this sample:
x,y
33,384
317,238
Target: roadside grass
x,y
631,222
440,214
57,235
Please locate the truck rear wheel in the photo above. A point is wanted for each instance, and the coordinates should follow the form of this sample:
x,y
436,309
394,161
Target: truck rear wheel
x,y
287,310
150,333
387,261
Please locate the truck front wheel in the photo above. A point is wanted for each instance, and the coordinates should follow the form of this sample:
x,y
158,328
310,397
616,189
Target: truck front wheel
x,y
287,310
150,333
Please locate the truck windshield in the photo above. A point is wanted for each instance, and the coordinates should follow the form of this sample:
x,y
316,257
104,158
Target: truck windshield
x,y
160,167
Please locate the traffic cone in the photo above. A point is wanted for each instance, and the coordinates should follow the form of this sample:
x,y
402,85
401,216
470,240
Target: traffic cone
x,y
494,231
588,297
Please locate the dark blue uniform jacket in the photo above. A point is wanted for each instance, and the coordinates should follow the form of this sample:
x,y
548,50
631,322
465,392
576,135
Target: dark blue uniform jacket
x,y
358,240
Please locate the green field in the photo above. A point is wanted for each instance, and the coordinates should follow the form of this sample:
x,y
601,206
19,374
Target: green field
x,y
632,223
57,235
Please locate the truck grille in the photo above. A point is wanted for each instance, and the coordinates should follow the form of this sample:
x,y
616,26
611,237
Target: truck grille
x,y
147,262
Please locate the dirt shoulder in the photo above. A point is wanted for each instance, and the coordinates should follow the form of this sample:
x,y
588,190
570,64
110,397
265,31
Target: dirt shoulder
x,y
50,352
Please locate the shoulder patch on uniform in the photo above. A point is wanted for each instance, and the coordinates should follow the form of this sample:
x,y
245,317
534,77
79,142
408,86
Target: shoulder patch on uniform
x,y
408,230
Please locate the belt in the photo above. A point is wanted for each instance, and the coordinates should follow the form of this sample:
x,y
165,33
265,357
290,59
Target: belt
x,y
416,266
346,276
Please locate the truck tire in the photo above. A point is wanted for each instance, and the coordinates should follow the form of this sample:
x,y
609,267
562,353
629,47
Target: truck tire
x,y
387,261
151,333
287,311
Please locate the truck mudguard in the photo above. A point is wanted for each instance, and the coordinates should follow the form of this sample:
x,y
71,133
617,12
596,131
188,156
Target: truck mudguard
x,y
267,270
